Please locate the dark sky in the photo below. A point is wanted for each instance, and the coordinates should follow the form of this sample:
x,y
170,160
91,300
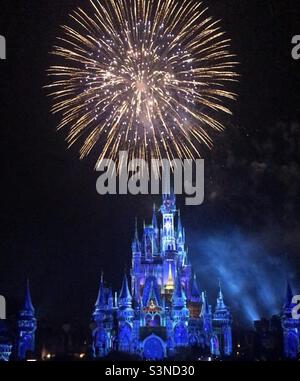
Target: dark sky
x,y
60,233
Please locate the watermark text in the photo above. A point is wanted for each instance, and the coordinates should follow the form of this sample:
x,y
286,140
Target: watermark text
x,y
2,308
2,48
296,48
136,176
296,309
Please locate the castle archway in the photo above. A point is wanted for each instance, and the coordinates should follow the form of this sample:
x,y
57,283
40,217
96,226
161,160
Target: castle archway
x,y
154,348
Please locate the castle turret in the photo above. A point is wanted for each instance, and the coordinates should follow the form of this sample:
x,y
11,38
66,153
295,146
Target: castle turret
x,y
180,315
155,223
195,293
170,281
206,314
100,302
291,327
168,210
222,324
125,318
27,326
194,299
136,245
155,234
102,317
125,298
136,257
179,297
181,242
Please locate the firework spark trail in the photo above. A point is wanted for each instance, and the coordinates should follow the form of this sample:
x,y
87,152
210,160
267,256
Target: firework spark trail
x,y
146,76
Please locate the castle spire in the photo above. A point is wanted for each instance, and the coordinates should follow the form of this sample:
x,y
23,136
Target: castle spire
x,y
195,293
205,307
26,327
28,307
220,300
136,246
179,224
125,293
179,292
170,281
100,302
178,298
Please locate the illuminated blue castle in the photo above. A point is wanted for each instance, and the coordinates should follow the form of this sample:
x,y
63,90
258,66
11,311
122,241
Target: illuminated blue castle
x,y
162,311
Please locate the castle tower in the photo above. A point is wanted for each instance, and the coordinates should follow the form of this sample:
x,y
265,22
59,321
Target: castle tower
x,y
125,318
103,319
181,241
222,321
136,259
169,287
195,299
159,311
168,210
136,245
27,326
291,327
180,315
170,282
155,232
206,314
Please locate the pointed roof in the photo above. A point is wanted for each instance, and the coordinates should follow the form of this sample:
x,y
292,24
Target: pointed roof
x,y
136,246
170,281
178,292
101,295
205,307
151,291
125,293
195,293
179,225
28,307
220,300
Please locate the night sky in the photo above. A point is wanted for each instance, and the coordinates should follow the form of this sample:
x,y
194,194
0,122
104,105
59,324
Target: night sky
x,y
57,231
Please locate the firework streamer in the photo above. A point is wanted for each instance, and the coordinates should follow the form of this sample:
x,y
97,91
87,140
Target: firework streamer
x,y
147,76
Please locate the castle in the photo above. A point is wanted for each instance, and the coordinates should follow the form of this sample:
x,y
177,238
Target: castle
x,y
162,311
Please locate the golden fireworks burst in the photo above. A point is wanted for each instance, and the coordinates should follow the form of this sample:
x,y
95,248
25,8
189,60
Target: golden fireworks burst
x,y
146,76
